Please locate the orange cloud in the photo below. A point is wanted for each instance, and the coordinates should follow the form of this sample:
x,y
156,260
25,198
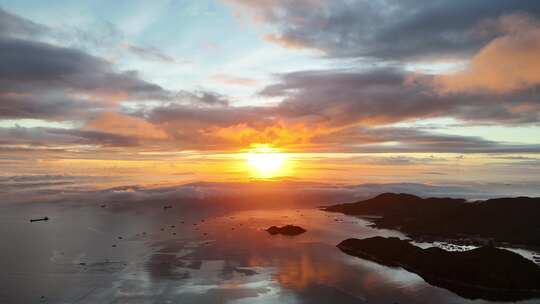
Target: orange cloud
x,y
276,135
127,126
284,41
525,107
508,63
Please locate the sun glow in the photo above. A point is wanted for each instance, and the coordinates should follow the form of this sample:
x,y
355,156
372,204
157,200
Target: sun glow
x,y
266,162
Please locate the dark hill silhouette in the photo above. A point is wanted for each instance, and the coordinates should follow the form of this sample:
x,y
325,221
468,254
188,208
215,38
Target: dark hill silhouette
x,y
486,272
514,221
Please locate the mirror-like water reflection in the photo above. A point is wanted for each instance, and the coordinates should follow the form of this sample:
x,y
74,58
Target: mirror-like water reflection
x,y
145,254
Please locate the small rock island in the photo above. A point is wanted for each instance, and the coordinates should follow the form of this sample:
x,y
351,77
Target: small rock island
x,y
485,272
289,230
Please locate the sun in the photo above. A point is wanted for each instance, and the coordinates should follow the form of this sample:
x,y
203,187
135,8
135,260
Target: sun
x,y
265,161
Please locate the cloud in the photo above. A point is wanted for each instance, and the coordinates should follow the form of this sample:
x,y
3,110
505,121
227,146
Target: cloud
x,y
45,81
339,110
150,53
203,116
15,26
126,125
331,110
342,97
45,106
344,110
54,137
199,127
337,98
508,63
390,30
206,196
396,140
284,41
38,80
201,98
30,66
347,110
234,80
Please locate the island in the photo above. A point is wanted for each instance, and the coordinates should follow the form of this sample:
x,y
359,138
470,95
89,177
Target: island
x,y
289,230
485,272
506,222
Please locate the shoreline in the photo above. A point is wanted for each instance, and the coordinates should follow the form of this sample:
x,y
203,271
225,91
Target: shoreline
x,y
502,294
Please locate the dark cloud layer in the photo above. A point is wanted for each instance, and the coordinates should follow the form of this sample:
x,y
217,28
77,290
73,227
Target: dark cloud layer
x,y
28,66
202,98
414,140
14,106
347,109
332,110
389,29
383,96
56,137
13,25
45,81
353,110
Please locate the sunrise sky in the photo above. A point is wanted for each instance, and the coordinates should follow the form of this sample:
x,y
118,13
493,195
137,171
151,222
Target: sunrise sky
x,y
337,91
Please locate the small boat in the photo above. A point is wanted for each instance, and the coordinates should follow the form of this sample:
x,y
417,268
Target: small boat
x,y
39,219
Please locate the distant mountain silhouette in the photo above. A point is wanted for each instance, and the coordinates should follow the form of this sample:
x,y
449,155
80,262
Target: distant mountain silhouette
x,y
486,272
514,221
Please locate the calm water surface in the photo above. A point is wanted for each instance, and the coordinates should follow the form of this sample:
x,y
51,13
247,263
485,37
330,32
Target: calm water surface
x,y
146,254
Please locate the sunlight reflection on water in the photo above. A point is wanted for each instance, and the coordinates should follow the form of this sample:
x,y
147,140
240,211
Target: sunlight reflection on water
x,y
192,256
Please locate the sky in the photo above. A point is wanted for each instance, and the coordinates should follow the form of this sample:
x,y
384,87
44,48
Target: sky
x,y
344,91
